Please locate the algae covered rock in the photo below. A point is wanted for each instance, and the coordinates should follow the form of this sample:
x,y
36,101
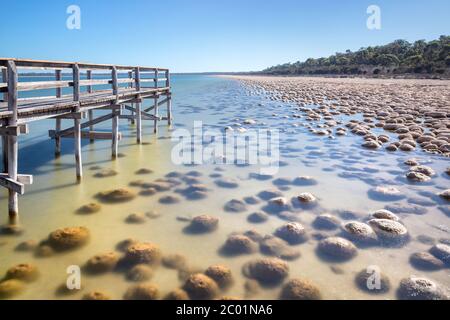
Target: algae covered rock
x,y
68,238
24,272
267,270
201,287
116,195
300,289
144,291
146,253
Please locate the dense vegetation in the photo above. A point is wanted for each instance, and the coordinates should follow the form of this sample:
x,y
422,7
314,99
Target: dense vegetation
x,y
398,57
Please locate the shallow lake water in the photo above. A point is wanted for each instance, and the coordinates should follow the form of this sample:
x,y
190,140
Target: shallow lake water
x,y
345,173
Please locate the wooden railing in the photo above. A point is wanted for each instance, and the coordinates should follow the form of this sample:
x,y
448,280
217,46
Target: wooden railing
x,y
81,75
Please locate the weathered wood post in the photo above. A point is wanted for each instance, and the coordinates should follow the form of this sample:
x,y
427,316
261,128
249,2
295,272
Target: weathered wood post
x,y
130,76
5,138
77,122
58,120
155,125
90,112
169,99
13,201
115,116
137,82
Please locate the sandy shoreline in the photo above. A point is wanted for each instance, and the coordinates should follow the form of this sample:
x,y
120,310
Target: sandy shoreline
x,y
417,110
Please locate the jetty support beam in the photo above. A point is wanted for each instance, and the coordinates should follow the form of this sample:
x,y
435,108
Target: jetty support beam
x,y
12,150
137,84
77,123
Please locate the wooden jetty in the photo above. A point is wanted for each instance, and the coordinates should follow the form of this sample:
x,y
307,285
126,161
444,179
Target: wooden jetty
x,y
122,94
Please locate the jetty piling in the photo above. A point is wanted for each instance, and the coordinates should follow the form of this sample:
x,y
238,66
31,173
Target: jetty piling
x,y
123,100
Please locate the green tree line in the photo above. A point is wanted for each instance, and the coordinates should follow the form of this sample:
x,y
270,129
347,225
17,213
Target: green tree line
x,y
398,57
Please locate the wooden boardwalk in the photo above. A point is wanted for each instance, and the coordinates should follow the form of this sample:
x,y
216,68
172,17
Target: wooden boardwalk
x,y
122,93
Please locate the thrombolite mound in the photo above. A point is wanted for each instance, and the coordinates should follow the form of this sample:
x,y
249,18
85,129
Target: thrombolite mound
x,y
386,193
139,273
257,217
276,205
96,295
292,232
269,194
144,171
102,263
359,231
123,245
424,170
170,199
221,275
227,183
203,224
425,261
389,230
146,253
371,281
235,206
442,252
445,194
277,247
417,176
143,291
305,199
174,261
269,271
68,238
300,289
237,244
201,287
116,195
420,288
105,173
11,288
43,251
304,181
89,208
337,248
326,222
384,214
177,294
27,246
135,218
24,272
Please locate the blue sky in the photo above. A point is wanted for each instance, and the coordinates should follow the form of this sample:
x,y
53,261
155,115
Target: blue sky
x,y
210,35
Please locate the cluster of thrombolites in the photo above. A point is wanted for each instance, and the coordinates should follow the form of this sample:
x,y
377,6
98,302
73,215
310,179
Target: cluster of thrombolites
x,y
391,115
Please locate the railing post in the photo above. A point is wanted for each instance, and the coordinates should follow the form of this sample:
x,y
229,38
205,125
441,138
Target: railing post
x,y
90,112
5,138
115,118
13,79
5,80
77,122
58,121
130,76
155,125
169,99
137,82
